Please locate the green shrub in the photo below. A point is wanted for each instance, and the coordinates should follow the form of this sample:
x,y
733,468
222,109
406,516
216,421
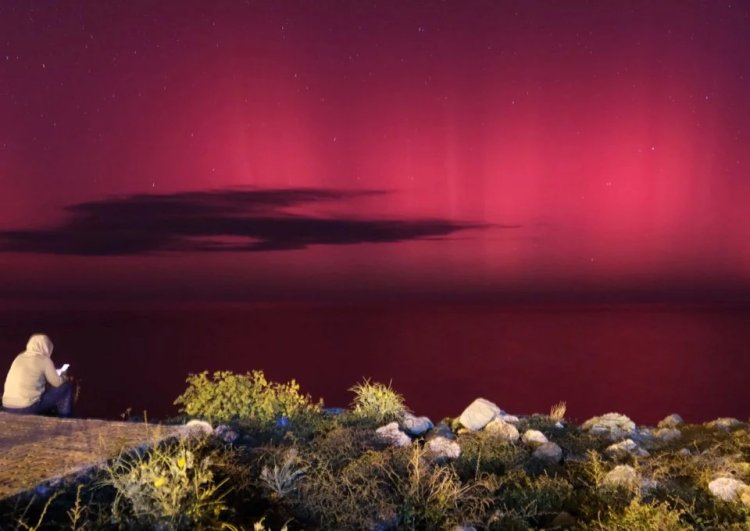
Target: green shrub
x,y
377,401
226,396
640,516
536,500
482,453
350,493
170,486
428,495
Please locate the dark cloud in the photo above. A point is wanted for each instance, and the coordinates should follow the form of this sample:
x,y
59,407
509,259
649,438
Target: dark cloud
x,y
209,221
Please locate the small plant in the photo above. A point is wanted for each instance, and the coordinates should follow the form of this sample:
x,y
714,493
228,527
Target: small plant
x,y
172,486
281,480
428,494
557,411
639,516
377,401
225,396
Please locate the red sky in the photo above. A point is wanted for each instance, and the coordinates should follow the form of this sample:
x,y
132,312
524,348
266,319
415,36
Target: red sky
x,y
593,147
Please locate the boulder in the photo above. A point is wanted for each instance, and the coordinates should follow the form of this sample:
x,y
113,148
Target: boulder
x,y
671,421
479,413
441,430
614,426
648,485
502,430
415,426
548,451
198,427
667,434
534,438
391,434
730,489
510,419
622,476
625,447
226,433
441,448
725,424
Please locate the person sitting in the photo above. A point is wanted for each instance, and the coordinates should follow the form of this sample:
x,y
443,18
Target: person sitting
x,y
26,390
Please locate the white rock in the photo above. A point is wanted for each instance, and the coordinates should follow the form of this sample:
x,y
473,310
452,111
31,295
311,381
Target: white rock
x,y
730,489
226,433
534,438
415,426
671,421
548,451
443,448
615,426
724,423
623,448
667,434
510,419
622,476
502,430
479,413
198,427
648,485
391,434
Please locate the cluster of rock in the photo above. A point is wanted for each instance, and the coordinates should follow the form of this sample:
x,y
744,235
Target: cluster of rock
x,y
627,440
482,415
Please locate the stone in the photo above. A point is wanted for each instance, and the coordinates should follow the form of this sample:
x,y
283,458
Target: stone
x,y
548,451
724,424
441,430
534,438
667,434
479,413
685,452
226,433
464,528
730,489
625,447
391,434
415,426
502,430
441,448
648,485
671,421
622,476
614,426
198,427
510,419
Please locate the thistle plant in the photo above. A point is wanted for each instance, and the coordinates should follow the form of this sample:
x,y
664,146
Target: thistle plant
x,y
172,486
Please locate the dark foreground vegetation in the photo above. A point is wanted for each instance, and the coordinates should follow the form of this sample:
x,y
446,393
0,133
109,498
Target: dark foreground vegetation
x,y
265,456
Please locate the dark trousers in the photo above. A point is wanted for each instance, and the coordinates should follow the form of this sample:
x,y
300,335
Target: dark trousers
x,y
59,399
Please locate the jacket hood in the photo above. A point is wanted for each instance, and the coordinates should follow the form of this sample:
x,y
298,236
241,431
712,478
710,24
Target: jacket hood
x,y
39,344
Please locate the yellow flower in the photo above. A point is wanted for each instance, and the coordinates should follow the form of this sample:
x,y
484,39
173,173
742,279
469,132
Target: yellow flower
x,y
181,462
158,482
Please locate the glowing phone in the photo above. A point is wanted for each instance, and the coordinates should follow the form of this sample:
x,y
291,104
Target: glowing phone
x,y
64,368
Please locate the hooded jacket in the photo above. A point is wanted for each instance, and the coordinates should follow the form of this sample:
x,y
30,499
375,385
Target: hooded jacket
x,y
29,373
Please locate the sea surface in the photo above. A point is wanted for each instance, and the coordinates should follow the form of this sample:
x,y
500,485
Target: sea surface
x,y
642,360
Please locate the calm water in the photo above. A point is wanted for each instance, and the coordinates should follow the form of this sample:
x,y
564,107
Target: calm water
x,y
644,361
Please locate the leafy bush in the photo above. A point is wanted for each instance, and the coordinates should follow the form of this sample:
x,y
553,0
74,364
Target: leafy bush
x,y
377,401
226,396
170,486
